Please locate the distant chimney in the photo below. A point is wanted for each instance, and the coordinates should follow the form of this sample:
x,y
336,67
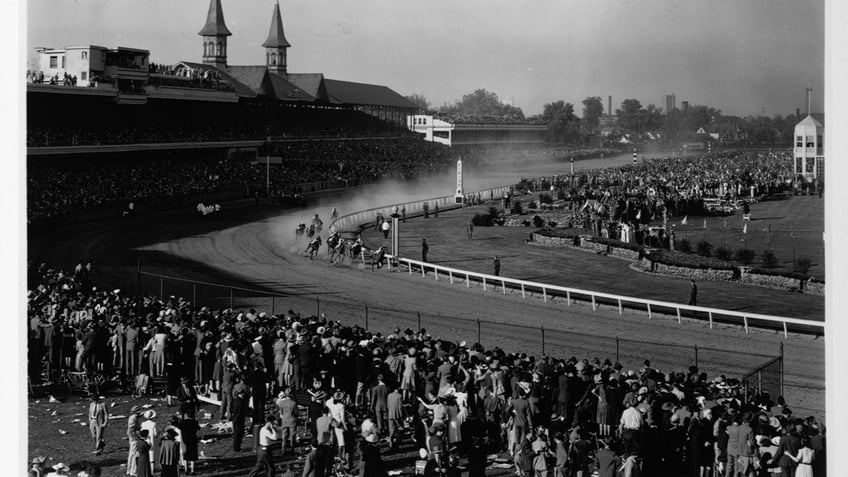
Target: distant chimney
x,y
609,109
798,114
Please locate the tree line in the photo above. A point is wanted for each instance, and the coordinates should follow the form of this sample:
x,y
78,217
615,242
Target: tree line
x,y
631,119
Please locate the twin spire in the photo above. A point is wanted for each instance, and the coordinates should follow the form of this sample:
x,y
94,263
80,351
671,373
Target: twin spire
x,y
215,32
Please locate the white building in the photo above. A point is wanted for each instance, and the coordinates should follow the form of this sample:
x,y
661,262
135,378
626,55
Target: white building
x,y
434,130
809,150
86,63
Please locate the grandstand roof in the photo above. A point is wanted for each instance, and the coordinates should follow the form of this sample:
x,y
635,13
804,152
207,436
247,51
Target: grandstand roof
x,y
260,81
312,83
276,36
347,92
215,21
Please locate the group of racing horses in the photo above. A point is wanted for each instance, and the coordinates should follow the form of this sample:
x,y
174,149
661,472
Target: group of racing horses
x,y
337,247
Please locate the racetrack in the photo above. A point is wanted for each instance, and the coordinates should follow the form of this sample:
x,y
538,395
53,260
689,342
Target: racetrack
x,y
254,247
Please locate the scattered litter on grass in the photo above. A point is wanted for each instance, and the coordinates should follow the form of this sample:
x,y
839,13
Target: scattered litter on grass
x,y
62,432
37,402
395,472
75,420
207,415
52,399
500,466
54,413
79,414
203,424
207,441
113,404
83,424
117,416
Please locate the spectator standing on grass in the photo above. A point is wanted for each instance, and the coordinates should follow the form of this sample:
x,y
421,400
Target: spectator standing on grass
x,y
188,431
142,459
385,227
496,263
693,294
288,419
470,229
424,249
98,419
169,455
133,436
267,435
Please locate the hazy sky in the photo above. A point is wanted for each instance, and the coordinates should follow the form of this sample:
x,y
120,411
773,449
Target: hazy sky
x,y
739,56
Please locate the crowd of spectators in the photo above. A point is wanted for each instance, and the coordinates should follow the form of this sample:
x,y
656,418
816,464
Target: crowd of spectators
x,y
107,127
617,201
413,391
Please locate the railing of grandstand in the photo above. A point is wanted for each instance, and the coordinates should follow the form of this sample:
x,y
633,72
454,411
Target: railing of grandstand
x,y
549,292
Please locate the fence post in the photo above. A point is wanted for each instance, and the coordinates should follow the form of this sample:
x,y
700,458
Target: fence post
x,y
273,305
781,368
231,298
696,355
162,288
317,306
419,321
194,296
617,351
478,330
366,318
543,339
138,278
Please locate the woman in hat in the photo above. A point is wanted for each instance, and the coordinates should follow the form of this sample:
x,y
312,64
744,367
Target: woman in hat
x,y
152,429
410,369
169,455
188,427
804,459
336,406
142,457
601,414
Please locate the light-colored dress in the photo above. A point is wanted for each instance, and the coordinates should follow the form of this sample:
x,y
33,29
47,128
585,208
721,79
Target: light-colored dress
x,y
805,460
408,382
337,412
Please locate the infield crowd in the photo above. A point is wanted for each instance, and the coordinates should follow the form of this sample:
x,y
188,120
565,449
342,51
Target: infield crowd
x,y
362,395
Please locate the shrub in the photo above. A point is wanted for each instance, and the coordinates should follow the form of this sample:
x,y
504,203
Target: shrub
x,y
705,248
683,245
523,185
561,195
769,259
724,253
538,222
493,212
481,220
802,265
745,256
517,208
546,199
689,260
532,205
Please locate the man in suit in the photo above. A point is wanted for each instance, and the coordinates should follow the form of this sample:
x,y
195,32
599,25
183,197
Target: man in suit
x,y
288,418
323,427
379,402
523,420
394,403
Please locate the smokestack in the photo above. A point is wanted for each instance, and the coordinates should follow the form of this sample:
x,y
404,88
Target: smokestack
x,y
609,108
798,114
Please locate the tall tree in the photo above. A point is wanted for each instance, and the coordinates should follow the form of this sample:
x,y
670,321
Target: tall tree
x,y
421,101
593,108
562,123
629,114
483,104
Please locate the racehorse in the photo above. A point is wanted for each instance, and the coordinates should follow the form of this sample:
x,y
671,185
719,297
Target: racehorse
x,y
313,247
332,241
310,232
356,250
299,231
317,223
378,257
338,254
334,213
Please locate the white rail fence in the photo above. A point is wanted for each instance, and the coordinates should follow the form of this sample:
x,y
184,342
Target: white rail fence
x,y
548,292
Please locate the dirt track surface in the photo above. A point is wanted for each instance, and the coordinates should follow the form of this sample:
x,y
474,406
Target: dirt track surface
x,y
254,247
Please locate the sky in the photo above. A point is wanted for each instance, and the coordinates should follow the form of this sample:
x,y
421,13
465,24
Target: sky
x,y
740,56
